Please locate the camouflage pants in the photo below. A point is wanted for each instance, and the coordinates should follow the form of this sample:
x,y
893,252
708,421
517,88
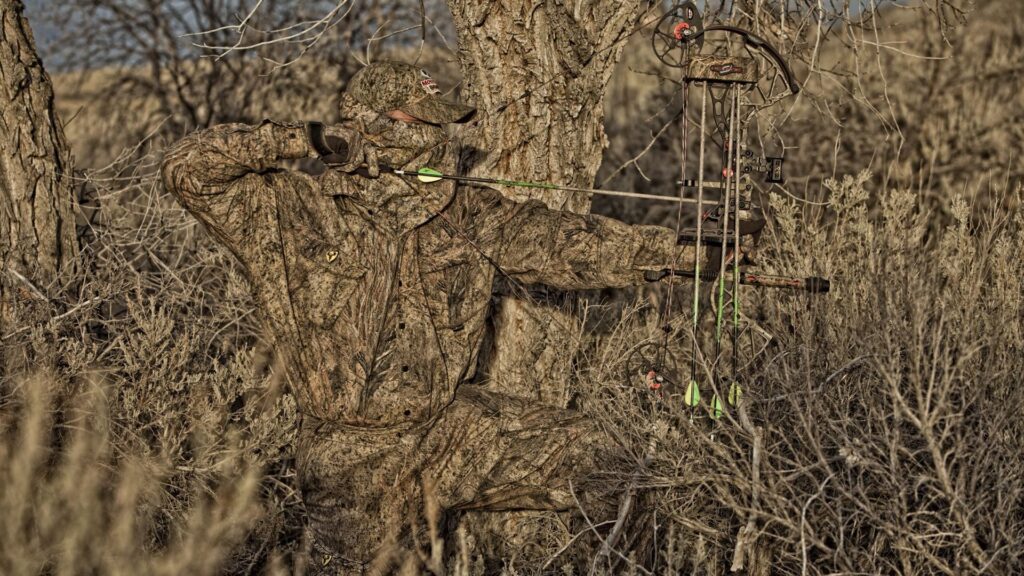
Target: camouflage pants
x,y
364,489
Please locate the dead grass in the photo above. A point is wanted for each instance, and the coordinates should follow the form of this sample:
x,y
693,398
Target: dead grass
x,y
78,499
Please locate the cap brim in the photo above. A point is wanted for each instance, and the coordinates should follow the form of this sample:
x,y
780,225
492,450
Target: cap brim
x,y
438,111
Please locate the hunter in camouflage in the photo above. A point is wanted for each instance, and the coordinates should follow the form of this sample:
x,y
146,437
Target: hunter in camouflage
x,y
376,287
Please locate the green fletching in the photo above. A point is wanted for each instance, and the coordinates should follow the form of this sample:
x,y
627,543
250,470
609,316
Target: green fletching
x,y
428,175
716,408
692,394
735,393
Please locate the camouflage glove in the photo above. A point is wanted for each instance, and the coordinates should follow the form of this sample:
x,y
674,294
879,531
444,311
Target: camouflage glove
x,y
342,148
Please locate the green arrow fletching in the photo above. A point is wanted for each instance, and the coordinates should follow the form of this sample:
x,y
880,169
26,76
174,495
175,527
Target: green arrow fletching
x,y
692,394
735,393
428,175
716,408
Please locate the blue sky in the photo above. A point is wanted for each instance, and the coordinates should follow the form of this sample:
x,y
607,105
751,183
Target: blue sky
x,y
45,35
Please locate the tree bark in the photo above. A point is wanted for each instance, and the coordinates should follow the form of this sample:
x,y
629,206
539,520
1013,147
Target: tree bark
x,y
537,72
37,231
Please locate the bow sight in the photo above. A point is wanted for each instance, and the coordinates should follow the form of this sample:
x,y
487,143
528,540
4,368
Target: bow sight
x,y
740,75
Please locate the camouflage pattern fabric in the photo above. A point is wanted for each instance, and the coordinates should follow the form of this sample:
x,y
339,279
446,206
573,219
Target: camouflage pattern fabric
x,y
385,86
376,292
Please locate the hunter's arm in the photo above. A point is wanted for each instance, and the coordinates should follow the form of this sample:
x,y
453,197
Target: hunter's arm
x,y
216,173
205,163
582,251
223,174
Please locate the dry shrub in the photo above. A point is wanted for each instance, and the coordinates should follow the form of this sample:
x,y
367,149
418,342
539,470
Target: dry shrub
x,y
883,415
879,432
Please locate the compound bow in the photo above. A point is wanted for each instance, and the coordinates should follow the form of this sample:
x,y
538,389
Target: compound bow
x,y
742,75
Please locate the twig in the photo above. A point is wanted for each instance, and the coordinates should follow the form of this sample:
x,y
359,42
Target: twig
x,y
74,309
32,287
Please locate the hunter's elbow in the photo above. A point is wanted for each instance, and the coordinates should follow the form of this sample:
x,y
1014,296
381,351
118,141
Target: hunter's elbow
x,y
181,174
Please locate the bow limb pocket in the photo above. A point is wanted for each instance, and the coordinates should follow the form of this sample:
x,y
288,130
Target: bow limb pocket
x,y
223,175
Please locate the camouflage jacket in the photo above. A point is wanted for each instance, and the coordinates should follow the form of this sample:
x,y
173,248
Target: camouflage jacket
x,y
379,308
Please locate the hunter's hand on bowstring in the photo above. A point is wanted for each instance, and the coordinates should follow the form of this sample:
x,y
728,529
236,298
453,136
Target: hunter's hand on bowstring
x,y
342,148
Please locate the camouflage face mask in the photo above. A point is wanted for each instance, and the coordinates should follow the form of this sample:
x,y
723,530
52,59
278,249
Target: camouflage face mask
x,y
386,86
398,143
402,203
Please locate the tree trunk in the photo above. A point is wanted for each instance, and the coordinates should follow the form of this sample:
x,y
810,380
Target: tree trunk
x,y
37,232
537,72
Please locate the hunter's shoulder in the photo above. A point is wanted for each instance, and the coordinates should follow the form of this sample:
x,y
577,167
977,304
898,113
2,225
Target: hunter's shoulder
x,y
201,134
203,141
220,134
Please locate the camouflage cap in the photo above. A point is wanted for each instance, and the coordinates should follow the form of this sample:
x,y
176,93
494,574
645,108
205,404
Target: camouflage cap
x,y
387,86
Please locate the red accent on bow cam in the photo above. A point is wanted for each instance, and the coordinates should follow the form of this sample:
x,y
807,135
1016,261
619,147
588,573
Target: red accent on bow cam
x,y
679,30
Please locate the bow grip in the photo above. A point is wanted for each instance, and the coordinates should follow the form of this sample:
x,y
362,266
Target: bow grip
x,y
654,275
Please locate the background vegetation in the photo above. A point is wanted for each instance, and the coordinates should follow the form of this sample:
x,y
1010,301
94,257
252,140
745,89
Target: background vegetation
x,y
880,431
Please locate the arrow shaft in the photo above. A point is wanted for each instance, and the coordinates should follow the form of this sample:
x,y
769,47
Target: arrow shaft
x,y
811,284
700,220
547,186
